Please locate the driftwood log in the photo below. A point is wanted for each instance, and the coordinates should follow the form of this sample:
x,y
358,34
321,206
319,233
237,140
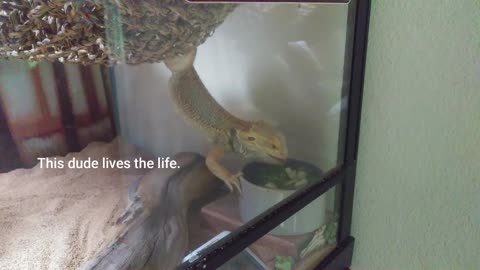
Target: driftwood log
x,y
157,239
70,219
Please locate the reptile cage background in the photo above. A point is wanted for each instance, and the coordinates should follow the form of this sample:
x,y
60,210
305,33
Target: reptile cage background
x,y
287,64
50,109
100,33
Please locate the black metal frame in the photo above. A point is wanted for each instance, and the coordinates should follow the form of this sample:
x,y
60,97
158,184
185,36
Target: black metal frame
x,y
344,176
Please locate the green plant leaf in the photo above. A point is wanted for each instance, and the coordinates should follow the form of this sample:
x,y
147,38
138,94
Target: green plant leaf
x,y
284,263
32,64
330,233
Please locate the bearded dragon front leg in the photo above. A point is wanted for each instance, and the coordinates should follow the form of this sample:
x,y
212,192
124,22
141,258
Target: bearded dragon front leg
x,y
217,169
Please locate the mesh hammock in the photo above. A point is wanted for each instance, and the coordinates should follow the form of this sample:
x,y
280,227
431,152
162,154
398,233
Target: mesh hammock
x,y
105,31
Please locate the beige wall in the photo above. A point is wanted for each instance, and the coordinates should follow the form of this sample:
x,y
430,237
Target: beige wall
x,y
417,200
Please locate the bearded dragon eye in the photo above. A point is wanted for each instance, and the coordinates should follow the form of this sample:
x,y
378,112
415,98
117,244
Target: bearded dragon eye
x,y
251,138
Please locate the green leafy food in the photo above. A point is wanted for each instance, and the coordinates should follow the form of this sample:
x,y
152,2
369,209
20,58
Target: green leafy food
x,y
330,233
289,177
32,64
284,263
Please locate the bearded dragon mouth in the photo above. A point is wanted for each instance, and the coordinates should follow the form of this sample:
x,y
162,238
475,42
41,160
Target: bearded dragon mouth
x,y
278,160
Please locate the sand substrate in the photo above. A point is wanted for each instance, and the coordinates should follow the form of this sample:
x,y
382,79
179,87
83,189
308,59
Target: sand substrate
x,y
57,219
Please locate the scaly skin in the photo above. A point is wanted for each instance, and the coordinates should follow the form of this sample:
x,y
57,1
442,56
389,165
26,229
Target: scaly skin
x,y
228,133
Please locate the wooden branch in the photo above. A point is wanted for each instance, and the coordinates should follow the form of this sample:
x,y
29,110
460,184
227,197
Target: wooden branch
x,y
158,237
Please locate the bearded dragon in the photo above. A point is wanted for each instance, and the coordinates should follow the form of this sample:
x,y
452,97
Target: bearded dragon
x,y
228,133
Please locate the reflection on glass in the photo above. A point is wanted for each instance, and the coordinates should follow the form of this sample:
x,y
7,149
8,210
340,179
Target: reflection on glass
x,y
257,66
289,251
245,260
291,77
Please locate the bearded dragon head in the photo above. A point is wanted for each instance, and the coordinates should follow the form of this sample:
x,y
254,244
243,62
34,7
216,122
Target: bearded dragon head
x,y
263,141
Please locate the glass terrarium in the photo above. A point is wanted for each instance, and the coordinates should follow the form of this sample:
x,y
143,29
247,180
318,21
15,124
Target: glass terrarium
x,y
179,135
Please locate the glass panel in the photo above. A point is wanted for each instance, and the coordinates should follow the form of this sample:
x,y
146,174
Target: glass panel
x,y
210,115
279,249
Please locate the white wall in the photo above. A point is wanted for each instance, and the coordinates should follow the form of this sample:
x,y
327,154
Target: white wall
x,y
417,200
